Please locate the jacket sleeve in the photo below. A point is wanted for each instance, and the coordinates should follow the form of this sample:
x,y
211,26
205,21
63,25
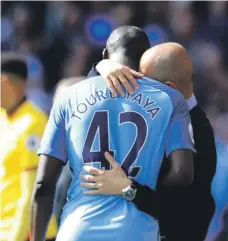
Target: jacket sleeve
x,y
93,72
147,200
205,145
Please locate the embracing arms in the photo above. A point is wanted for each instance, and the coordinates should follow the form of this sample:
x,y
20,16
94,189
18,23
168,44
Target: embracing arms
x,y
179,172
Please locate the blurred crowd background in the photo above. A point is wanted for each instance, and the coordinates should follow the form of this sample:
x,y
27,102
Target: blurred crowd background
x,y
63,39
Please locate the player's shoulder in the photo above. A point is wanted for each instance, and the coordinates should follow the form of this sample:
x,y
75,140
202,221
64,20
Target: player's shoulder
x,y
64,95
174,95
81,86
38,117
81,89
36,112
92,80
34,121
86,82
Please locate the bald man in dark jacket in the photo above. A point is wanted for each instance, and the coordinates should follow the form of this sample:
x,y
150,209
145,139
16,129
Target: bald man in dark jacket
x,y
184,213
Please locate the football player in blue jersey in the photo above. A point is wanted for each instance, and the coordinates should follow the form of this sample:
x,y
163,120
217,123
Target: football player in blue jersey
x,y
86,123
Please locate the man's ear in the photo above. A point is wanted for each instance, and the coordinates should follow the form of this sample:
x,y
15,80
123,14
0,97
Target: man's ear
x,y
171,84
105,54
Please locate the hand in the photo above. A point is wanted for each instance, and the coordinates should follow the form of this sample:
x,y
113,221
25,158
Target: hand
x,y
116,74
107,182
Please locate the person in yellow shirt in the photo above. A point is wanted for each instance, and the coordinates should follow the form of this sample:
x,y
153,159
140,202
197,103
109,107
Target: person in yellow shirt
x,y
21,128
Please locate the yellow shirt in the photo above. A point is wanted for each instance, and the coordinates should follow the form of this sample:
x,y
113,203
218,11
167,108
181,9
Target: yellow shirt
x,y
20,135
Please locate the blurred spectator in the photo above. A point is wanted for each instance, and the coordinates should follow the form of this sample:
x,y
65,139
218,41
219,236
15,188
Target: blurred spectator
x,y
156,34
76,62
6,31
156,13
218,13
100,7
28,23
123,13
71,24
182,22
67,31
35,89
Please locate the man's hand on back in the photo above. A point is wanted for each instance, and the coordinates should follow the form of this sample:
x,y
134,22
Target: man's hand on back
x,y
110,182
116,74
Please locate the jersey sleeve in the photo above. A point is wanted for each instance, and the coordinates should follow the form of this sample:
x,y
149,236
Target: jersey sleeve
x,y
179,134
54,139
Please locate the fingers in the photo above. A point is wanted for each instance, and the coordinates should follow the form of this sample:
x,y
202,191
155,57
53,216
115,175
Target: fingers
x,y
92,170
136,74
89,178
124,76
90,185
112,87
130,76
111,160
125,82
117,84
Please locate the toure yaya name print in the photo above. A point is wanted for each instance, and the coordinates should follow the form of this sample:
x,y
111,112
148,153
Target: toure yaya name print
x,y
141,99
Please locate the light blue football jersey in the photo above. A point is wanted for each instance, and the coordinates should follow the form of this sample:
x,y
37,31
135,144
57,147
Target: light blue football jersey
x,y
138,130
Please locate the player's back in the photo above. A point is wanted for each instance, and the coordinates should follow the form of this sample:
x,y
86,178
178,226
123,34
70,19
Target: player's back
x,y
133,129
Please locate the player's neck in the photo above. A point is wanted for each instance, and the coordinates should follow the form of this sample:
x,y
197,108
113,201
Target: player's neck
x,y
122,59
13,106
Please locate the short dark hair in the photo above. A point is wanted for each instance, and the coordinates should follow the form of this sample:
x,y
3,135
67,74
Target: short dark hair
x,y
132,40
13,63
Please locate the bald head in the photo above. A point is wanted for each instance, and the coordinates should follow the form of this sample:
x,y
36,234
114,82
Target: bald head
x,y
168,62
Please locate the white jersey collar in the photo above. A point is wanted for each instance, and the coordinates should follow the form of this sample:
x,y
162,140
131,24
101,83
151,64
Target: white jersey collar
x,y
192,102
